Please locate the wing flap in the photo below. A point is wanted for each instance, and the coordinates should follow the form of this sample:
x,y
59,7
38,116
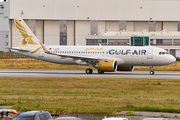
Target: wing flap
x,y
78,57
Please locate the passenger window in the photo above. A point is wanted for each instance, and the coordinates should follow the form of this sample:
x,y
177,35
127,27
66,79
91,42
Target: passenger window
x,y
37,118
42,117
47,115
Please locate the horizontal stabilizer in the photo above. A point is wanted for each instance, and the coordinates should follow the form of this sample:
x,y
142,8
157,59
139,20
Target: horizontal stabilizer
x,y
19,49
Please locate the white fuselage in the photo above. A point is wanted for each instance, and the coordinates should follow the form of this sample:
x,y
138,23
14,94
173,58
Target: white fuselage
x,y
124,55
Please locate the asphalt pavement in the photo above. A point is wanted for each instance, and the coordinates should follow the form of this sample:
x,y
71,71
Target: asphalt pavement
x,y
81,73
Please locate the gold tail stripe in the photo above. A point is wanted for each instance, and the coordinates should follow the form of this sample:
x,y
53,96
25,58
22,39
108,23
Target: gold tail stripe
x,y
35,50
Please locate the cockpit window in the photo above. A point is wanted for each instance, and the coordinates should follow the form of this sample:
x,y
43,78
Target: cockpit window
x,y
163,53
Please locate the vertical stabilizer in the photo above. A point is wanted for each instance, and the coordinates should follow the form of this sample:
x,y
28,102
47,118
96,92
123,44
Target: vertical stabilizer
x,y
27,39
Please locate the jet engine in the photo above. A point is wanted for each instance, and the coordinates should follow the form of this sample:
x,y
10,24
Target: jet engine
x,y
106,66
125,68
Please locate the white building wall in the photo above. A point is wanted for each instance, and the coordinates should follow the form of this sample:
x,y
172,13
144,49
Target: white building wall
x,y
15,42
39,30
136,10
158,26
51,32
129,26
112,26
101,25
140,26
70,32
4,23
82,30
170,26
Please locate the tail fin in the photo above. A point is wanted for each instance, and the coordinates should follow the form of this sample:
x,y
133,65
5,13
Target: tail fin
x,y
27,39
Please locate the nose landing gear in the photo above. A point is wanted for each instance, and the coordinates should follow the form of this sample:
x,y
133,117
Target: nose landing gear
x,y
151,70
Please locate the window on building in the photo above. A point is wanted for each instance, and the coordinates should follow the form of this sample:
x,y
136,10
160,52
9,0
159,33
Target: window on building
x,y
96,41
176,42
122,25
173,52
118,42
161,42
94,27
32,25
139,40
63,32
152,26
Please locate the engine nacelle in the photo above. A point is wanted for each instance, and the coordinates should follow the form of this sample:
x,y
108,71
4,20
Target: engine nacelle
x,y
106,65
125,68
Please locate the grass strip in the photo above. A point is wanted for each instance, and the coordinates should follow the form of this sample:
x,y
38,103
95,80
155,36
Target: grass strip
x,y
90,95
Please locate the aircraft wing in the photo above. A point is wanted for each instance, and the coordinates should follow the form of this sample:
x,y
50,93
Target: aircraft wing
x,y
85,58
78,57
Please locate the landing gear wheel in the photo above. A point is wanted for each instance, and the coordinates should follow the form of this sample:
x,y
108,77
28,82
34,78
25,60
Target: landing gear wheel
x,y
100,72
151,72
89,71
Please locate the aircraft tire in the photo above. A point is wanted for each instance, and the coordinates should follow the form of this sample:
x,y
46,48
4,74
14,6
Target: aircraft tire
x,y
151,72
89,71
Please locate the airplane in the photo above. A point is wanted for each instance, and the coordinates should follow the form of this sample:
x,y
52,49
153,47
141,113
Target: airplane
x,y
103,58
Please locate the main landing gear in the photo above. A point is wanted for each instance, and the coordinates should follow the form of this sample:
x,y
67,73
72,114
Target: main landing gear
x,y
89,71
151,70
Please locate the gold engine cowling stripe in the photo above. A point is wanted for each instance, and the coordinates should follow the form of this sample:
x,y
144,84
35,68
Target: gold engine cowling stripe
x,y
107,65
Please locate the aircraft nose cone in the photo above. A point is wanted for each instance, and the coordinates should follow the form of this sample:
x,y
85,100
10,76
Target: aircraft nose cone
x,y
172,59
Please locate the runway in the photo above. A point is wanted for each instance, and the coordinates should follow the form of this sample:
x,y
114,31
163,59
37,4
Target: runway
x,y
81,73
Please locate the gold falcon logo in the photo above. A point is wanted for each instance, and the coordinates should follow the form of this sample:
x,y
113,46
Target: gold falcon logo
x,y
27,39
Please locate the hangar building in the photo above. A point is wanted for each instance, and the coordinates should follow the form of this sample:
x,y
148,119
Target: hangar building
x,y
93,22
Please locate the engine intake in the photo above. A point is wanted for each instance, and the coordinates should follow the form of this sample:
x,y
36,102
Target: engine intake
x,y
106,65
125,68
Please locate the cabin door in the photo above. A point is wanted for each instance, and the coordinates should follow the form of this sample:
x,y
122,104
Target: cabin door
x,y
150,53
